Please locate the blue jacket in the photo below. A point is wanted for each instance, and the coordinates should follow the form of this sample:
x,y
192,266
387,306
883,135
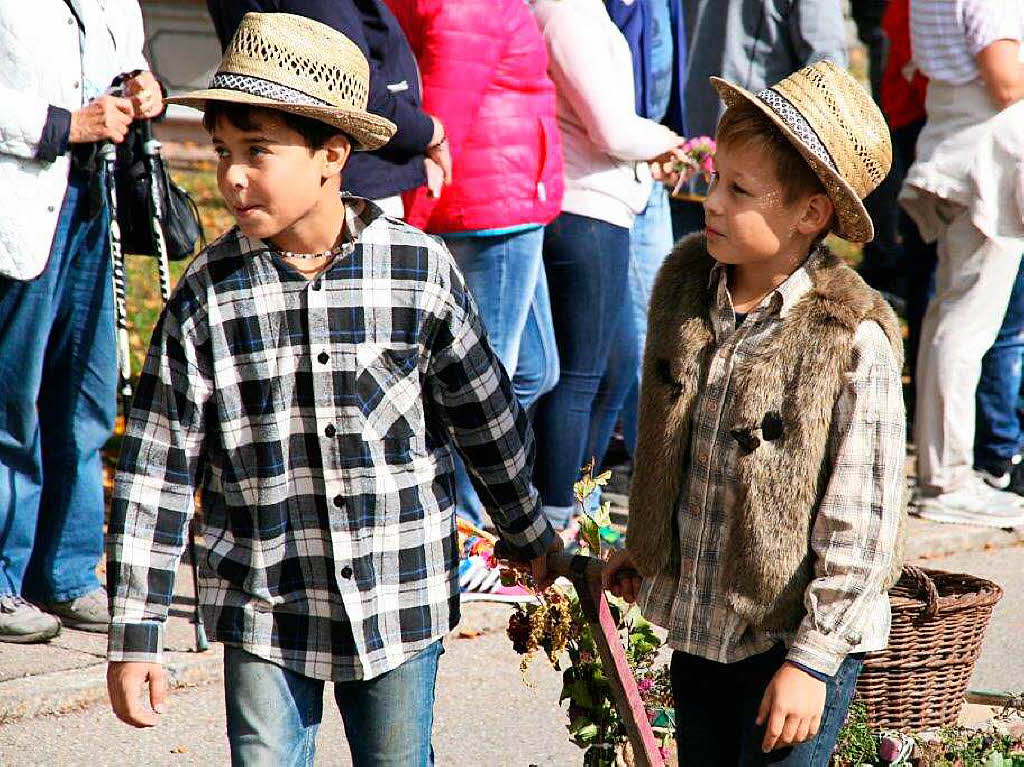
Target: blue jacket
x,y
394,84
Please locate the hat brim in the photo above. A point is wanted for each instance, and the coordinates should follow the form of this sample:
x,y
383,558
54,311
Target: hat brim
x,y
852,220
367,131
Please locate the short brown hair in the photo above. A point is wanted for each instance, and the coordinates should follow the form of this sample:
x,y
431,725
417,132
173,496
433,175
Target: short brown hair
x,y
745,124
315,133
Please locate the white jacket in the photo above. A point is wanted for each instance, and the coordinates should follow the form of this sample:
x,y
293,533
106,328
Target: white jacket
x,y
604,142
41,64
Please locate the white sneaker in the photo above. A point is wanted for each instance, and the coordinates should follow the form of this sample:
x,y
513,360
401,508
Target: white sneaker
x,y
976,503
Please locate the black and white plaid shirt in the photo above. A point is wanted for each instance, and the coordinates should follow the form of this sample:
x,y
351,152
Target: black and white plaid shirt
x,y
315,419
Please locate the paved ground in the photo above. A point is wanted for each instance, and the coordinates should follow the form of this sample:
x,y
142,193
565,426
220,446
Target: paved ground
x,y
484,712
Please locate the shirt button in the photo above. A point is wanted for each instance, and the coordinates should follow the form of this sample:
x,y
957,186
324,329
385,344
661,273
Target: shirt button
x,y
322,358
50,208
346,572
70,22
330,431
704,457
75,85
338,501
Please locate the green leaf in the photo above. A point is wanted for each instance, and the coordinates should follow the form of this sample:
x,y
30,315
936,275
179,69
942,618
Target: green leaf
x,y
590,534
603,515
588,733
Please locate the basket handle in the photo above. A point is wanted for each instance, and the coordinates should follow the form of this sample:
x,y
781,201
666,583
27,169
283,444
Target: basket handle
x,y
925,588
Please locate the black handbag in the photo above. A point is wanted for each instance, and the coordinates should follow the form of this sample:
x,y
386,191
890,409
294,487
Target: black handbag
x,y
179,215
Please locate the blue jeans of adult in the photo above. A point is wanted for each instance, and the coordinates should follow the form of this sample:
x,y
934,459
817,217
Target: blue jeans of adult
x,y
505,275
58,383
650,241
273,713
717,705
997,434
587,263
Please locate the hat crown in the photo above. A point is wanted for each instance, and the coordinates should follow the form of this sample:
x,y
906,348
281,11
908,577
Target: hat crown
x,y
295,59
846,121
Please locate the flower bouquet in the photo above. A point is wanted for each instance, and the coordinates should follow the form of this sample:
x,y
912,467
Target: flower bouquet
x,y
556,625
695,169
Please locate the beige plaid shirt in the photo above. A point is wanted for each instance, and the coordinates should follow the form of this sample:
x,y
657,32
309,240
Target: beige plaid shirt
x,y
855,527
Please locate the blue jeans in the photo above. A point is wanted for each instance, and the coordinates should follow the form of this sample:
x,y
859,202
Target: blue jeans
x,y
505,274
717,704
650,241
57,351
273,713
587,262
997,434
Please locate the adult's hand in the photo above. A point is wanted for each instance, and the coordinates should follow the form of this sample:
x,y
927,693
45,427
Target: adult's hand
x,y
145,95
125,683
435,178
105,119
673,168
791,708
438,150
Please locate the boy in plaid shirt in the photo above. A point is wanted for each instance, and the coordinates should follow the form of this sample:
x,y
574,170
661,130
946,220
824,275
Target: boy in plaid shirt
x,y
308,377
766,501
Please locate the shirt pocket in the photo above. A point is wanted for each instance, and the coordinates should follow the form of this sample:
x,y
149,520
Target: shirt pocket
x,y
389,393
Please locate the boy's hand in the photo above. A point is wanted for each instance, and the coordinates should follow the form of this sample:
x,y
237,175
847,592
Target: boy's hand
x,y
124,685
620,576
542,577
791,708
435,178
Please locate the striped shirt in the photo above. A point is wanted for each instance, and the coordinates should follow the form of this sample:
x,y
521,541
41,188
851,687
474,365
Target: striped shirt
x,y
854,531
315,418
946,35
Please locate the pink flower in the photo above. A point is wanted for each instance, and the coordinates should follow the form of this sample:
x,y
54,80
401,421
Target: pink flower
x,y
645,685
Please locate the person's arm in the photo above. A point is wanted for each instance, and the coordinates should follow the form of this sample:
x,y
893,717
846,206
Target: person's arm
x,y
855,531
161,461
453,86
474,397
817,31
1002,71
581,69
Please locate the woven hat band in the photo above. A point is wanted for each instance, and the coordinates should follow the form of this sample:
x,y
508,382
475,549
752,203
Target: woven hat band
x,y
797,123
256,86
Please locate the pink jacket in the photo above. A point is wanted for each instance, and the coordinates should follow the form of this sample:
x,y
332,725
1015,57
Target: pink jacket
x,y
484,70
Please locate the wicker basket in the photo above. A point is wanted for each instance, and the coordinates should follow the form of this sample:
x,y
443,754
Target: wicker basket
x,y
938,623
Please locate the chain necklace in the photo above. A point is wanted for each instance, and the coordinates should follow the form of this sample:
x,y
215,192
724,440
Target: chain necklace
x,y
333,252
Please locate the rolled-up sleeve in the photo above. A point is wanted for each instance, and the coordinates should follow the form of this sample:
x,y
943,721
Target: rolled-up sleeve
x,y
855,534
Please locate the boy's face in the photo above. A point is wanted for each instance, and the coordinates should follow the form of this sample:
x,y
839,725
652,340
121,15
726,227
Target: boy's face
x,y
748,218
271,180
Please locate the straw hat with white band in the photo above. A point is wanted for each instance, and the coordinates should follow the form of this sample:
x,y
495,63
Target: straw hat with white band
x,y
294,64
833,122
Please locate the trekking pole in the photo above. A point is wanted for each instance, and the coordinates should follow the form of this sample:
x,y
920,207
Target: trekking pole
x,y
108,154
151,151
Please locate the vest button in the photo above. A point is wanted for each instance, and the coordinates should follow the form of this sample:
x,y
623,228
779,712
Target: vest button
x,y
346,572
330,431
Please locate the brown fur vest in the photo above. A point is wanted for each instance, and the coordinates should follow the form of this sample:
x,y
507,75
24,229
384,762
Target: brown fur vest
x,y
799,374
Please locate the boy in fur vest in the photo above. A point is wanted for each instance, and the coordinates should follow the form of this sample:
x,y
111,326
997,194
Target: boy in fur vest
x,y
766,504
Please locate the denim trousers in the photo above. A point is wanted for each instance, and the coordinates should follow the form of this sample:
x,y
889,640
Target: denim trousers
x,y
587,262
58,383
650,241
273,714
505,275
997,434
717,705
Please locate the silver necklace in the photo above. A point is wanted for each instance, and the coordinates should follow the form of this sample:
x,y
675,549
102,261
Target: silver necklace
x,y
336,251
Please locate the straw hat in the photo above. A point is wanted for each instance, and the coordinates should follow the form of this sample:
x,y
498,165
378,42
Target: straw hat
x,y
835,125
297,65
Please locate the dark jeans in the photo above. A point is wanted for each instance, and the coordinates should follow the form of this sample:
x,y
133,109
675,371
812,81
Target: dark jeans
x,y
586,261
717,703
997,434
58,401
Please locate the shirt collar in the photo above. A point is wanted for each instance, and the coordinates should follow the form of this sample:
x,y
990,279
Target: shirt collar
x,y
784,297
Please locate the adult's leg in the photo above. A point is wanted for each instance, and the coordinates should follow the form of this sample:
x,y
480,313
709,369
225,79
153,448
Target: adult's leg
x,y
586,262
388,719
272,713
537,368
27,310
973,282
997,437
77,408
501,272
816,752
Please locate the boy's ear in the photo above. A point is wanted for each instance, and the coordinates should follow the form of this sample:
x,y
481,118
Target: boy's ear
x,y
817,214
336,153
